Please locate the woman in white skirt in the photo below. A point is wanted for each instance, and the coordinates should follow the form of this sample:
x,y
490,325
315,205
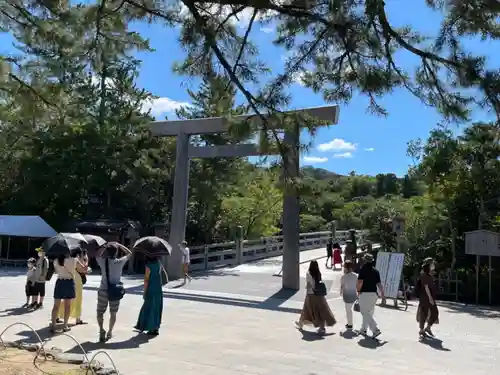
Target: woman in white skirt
x,y
348,291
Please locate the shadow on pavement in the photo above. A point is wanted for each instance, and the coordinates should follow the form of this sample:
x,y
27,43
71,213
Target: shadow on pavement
x,y
477,311
265,305
370,343
434,343
131,343
314,336
15,311
348,335
29,337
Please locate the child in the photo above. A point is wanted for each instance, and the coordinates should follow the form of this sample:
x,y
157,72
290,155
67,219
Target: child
x,y
30,282
185,261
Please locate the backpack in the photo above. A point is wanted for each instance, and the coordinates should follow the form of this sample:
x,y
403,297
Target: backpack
x,y
50,271
418,288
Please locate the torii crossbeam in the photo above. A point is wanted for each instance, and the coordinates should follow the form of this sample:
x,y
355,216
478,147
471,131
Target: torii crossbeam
x,y
183,129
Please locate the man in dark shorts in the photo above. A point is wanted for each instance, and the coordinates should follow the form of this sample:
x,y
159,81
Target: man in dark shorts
x,y
42,267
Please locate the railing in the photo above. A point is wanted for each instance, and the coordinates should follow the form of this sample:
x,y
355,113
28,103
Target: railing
x,y
233,253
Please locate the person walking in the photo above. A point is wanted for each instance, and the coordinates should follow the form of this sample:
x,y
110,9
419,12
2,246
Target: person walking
x,y
348,291
64,290
367,284
42,268
186,260
111,262
329,253
427,311
315,311
80,273
152,308
337,256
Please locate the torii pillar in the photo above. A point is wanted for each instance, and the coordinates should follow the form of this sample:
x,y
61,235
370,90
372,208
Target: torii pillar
x,y
183,129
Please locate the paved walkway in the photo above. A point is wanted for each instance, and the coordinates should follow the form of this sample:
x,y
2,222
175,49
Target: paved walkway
x,y
229,322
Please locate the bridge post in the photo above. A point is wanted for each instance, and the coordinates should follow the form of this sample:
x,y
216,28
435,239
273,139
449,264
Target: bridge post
x,y
291,211
333,230
179,206
239,243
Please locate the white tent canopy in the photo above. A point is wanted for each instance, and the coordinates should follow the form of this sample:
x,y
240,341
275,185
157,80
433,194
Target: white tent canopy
x,y
25,226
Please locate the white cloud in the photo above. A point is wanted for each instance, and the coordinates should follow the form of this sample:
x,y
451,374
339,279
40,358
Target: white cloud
x,y
343,155
242,18
337,145
315,159
162,105
370,149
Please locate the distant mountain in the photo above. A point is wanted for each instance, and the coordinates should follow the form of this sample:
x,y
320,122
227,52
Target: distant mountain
x,y
318,173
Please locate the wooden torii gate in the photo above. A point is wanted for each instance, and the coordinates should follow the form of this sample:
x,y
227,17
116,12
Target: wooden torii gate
x,y
183,129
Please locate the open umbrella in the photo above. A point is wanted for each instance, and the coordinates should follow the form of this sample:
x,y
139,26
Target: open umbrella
x,y
153,246
77,236
93,242
60,245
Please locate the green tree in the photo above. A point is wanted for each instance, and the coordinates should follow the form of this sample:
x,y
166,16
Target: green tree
x,y
257,206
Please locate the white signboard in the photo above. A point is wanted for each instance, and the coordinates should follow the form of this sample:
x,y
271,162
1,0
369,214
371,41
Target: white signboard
x,y
390,267
482,242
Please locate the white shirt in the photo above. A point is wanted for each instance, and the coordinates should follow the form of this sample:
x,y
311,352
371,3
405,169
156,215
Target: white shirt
x,y
67,270
310,283
348,283
185,255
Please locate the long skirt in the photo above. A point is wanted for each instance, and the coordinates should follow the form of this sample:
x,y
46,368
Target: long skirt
x,y
317,312
76,303
427,313
151,312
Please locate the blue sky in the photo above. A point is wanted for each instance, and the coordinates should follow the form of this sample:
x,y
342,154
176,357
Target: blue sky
x,y
360,142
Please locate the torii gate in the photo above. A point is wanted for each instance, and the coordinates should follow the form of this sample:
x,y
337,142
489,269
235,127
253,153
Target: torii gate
x,y
183,129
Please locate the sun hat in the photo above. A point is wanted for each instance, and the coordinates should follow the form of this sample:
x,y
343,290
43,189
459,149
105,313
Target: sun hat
x,y
428,261
368,257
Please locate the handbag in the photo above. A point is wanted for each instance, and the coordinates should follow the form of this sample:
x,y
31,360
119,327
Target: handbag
x,y
320,289
84,278
115,291
356,307
163,275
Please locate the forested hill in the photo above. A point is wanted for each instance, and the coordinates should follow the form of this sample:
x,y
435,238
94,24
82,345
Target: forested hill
x,y
349,199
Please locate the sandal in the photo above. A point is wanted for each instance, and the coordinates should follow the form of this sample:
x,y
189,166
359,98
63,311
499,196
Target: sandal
x,y
66,329
109,336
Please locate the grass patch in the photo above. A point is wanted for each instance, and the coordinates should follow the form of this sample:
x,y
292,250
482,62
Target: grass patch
x,y
15,361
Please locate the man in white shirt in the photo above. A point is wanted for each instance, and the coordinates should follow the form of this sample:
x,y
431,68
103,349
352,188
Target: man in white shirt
x,y
348,291
185,260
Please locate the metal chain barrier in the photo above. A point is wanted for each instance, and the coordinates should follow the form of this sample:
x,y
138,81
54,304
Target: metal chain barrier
x,y
41,349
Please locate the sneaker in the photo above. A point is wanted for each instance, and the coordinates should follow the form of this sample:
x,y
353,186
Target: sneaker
x,y
429,331
321,331
362,332
376,334
348,326
102,336
32,305
25,305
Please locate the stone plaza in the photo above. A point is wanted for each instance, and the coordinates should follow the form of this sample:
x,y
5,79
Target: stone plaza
x,y
236,320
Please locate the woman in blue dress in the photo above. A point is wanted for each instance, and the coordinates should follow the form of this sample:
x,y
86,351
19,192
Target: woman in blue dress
x,y
152,307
